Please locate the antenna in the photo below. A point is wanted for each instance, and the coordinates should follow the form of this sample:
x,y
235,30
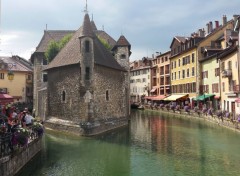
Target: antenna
x,y
86,10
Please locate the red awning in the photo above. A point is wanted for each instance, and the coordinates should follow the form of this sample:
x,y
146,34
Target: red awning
x,y
237,100
216,97
5,98
159,97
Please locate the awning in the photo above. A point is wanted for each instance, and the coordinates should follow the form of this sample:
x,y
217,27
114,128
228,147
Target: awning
x,y
174,97
203,97
237,100
216,97
159,97
153,90
5,98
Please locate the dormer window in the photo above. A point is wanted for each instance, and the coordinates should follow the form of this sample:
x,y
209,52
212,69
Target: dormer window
x,y
123,56
87,46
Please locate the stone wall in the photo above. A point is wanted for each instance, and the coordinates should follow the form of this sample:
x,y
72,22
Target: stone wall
x,y
113,81
66,79
42,104
11,165
37,77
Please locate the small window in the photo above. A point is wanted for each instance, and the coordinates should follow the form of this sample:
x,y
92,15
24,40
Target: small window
x,y
44,61
63,96
1,75
87,46
45,77
107,95
123,56
87,75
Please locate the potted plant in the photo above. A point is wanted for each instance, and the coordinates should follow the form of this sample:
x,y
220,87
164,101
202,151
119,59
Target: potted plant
x,y
20,137
38,128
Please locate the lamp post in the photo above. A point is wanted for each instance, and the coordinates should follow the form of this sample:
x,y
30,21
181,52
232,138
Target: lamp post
x,y
8,66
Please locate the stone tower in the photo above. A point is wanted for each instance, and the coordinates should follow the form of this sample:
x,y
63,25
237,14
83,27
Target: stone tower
x,y
87,53
122,52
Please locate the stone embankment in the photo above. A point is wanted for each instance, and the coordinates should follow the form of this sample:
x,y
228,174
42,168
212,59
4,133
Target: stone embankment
x,y
230,123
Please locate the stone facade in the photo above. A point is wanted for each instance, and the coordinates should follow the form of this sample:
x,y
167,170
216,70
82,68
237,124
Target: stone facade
x,y
115,106
66,80
11,165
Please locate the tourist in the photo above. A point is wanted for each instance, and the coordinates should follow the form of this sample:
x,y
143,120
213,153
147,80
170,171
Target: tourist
x,y
28,119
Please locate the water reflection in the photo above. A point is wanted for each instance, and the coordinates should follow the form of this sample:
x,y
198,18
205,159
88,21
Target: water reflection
x,y
153,144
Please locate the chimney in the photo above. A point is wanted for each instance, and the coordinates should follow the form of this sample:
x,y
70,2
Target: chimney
x,y
235,17
210,27
201,33
208,31
216,24
224,20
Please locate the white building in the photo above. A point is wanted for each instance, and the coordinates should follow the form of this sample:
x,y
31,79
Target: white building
x,y
140,79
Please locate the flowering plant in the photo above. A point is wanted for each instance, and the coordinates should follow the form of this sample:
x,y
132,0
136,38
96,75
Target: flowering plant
x,y
38,128
21,137
186,108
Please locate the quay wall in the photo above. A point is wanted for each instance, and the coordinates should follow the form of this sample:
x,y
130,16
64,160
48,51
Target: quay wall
x,y
224,122
12,164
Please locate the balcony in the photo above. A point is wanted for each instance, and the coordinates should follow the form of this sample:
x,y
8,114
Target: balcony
x,y
236,88
29,81
29,94
227,73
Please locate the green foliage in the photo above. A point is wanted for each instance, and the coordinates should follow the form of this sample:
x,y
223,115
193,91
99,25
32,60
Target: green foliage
x,y
54,47
105,44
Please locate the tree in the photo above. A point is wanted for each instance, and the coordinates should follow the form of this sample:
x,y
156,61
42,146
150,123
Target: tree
x,y
54,47
105,43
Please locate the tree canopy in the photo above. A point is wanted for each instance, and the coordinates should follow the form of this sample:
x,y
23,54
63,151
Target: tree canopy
x,y
54,47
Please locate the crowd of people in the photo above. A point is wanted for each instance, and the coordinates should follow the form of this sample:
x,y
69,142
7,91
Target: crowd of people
x,y
12,118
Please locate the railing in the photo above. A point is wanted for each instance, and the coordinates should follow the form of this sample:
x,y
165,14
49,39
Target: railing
x,y
7,146
227,73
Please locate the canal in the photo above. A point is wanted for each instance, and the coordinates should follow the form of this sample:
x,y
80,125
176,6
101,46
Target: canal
x,y
153,144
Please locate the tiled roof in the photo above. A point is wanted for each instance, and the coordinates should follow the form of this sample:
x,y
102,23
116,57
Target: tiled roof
x,y
70,54
228,51
94,28
50,35
86,27
122,41
16,63
180,39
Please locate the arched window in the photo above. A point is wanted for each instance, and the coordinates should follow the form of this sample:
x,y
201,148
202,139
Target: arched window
x,y
87,46
63,96
107,95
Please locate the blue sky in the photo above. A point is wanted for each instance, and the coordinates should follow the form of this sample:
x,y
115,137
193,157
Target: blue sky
x,y
149,25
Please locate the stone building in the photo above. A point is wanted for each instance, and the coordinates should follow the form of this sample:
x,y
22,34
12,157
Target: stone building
x,y
88,85
40,63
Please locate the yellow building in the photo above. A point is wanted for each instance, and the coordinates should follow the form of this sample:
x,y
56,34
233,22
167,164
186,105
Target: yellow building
x,y
16,78
183,68
230,79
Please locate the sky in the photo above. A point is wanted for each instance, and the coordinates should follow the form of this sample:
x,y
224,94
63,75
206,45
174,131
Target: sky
x,y
148,25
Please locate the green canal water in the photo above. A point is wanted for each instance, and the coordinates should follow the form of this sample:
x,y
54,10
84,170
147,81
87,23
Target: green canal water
x,y
152,145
